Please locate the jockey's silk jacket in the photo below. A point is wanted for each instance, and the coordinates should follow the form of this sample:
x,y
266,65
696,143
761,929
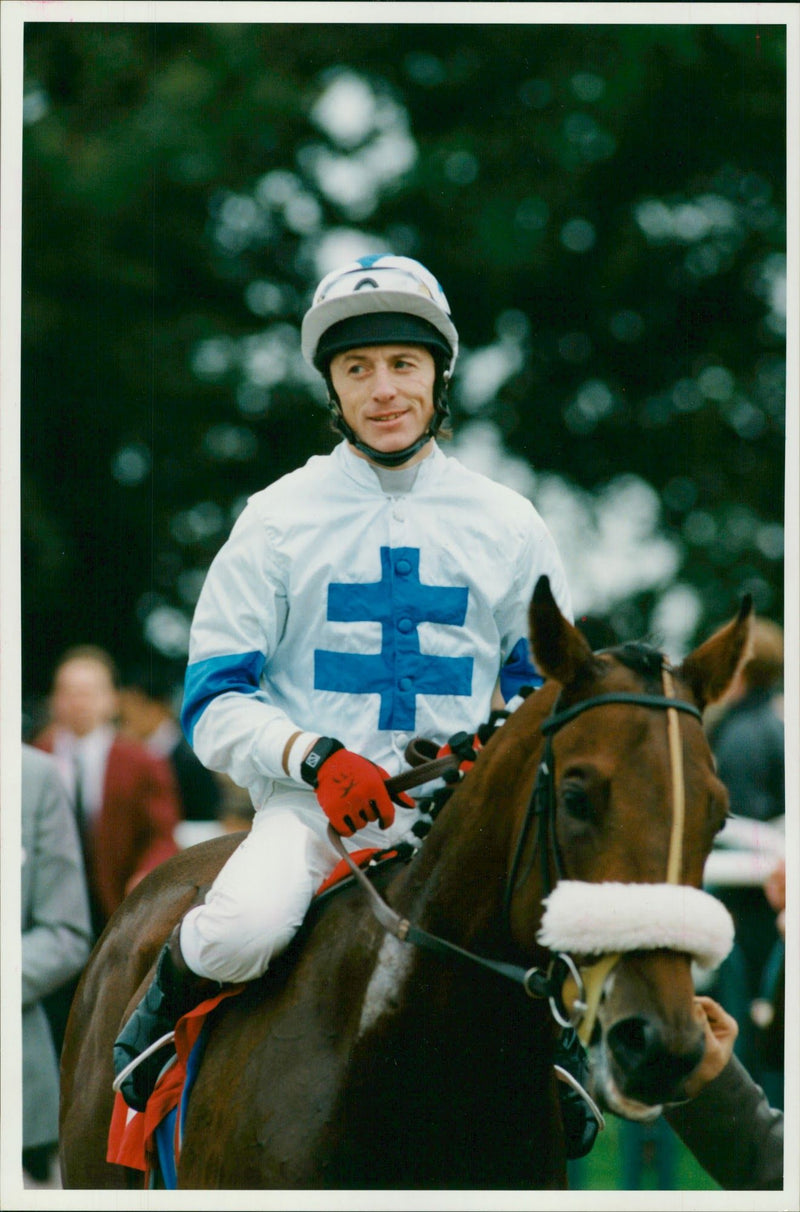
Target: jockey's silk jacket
x,y
339,609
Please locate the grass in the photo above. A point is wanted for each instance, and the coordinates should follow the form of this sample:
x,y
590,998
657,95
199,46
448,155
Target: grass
x,y
632,1157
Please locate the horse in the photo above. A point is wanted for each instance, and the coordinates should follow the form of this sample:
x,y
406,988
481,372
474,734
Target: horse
x,y
558,887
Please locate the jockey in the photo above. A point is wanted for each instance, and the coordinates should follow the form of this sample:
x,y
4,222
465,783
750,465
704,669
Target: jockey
x,y
373,595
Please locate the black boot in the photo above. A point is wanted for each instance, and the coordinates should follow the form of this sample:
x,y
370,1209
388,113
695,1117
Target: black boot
x,y
175,990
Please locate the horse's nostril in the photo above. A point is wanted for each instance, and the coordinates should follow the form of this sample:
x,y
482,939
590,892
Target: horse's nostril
x,y
647,1068
632,1040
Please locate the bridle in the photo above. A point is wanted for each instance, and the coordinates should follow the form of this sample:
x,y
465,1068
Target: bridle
x,y
562,976
582,988
542,805
573,992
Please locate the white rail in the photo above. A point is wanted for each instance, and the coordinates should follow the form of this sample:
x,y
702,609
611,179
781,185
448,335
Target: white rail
x,y
745,853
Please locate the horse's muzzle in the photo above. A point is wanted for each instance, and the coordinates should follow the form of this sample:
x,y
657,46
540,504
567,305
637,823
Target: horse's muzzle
x,y
644,1067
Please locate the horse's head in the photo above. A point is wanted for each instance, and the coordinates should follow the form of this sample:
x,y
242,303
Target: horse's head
x,y
628,786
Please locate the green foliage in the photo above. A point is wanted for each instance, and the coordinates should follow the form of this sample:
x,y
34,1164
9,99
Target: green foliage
x,y
631,1157
613,195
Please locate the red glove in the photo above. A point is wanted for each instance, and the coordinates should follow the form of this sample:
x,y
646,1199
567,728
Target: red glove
x,y
352,792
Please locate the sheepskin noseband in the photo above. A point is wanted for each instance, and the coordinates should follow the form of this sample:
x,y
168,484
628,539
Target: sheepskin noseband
x,y
594,919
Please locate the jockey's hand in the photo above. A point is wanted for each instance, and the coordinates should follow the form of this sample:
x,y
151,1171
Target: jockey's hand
x,y
465,748
352,792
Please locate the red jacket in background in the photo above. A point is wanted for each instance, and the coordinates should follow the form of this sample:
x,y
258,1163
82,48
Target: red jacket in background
x,y
134,830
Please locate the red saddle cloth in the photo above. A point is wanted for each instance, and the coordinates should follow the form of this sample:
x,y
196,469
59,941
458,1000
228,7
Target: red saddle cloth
x,y
131,1136
342,869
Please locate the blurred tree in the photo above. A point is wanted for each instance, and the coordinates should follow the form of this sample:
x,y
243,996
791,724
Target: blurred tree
x,y
605,206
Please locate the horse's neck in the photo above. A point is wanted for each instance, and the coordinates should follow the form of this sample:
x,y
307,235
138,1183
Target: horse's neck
x,y
458,882
470,1043
455,1042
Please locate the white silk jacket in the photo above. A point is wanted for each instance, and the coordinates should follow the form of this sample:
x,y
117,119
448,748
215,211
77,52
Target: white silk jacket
x,y
339,609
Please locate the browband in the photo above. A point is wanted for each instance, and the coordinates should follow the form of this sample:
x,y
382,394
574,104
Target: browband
x,y
554,722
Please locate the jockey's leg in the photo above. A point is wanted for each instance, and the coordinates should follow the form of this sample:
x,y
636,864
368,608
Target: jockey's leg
x,y
258,901
251,912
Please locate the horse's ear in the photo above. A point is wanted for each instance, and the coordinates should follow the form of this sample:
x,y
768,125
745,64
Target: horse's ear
x,y
710,669
561,651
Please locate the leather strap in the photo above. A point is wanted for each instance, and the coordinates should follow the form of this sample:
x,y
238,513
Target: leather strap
x,y
555,721
319,753
424,768
534,981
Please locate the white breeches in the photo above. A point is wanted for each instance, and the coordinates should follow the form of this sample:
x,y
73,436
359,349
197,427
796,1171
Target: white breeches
x,y
261,895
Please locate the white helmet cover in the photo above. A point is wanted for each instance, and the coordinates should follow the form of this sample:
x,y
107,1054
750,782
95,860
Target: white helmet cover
x,y
380,283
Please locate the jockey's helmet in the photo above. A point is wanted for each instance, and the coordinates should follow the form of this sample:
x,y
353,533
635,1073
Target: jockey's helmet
x,y
378,300
381,300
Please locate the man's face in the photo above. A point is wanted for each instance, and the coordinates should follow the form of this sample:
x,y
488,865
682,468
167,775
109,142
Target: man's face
x,y
386,394
83,696
138,715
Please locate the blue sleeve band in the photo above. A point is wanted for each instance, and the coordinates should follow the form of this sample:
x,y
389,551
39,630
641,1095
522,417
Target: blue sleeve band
x,y
205,680
518,671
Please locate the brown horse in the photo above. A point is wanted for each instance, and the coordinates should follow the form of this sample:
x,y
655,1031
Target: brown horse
x,y
421,1058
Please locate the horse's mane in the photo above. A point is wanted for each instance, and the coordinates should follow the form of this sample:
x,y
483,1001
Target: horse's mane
x,y
642,657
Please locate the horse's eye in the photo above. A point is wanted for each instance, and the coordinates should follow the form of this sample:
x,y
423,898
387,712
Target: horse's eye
x,y
576,801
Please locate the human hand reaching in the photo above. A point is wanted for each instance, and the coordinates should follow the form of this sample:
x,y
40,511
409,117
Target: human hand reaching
x,y
721,1030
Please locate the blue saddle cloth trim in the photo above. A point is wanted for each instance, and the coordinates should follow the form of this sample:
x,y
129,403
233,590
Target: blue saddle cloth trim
x,y
165,1138
166,1131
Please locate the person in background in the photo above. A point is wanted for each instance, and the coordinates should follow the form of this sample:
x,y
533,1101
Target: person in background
x,y
56,941
769,1010
148,713
727,1122
125,798
747,730
746,733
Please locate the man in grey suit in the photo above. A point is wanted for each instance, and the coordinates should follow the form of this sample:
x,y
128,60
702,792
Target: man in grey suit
x,y
56,941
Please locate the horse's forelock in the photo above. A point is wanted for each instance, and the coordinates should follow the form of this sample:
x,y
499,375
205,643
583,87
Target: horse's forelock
x,y
639,656
643,658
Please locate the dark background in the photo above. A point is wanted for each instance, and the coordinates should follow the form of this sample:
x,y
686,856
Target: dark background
x,y
614,194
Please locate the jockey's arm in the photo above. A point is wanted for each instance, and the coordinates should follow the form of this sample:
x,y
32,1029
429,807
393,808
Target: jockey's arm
x,y
237,625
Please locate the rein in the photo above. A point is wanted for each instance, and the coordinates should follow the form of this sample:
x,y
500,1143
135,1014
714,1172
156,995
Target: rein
x,y
533,980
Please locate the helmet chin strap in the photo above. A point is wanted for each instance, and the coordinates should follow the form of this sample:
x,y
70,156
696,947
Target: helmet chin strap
x,y
392,458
